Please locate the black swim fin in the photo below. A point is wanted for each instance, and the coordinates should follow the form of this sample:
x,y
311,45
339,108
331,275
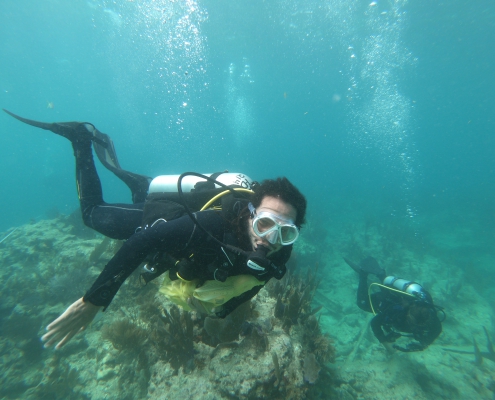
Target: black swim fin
x,y
353,265
371,266
104,149
138,184
368,266
74,131
106,153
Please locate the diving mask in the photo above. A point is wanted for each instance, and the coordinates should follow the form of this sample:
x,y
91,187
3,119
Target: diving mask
x,y
274,228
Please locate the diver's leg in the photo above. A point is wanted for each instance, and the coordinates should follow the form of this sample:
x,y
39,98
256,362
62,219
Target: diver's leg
x,y
117,221
138,184
363,300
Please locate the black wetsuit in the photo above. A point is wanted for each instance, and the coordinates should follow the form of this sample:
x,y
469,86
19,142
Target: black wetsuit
x,y
391,318
118,220
178,238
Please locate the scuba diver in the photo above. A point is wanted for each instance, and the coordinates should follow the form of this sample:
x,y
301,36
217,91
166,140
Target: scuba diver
x,y
215,259
401,308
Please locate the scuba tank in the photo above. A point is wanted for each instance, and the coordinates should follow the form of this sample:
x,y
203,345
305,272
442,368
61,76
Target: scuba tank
x,y
409,287
168,183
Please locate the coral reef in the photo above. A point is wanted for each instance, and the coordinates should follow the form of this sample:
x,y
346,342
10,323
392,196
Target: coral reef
x,y
276,346
125,335
175,338
311,368
144,344
227,329
294,297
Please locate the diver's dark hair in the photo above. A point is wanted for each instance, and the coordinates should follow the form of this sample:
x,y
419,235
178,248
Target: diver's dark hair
x,y
283,189
421,313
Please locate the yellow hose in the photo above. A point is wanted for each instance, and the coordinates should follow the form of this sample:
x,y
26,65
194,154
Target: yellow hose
x,y
385,287
213,199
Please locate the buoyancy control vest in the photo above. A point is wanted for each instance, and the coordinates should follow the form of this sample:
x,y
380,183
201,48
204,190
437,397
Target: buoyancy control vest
x,y
165,203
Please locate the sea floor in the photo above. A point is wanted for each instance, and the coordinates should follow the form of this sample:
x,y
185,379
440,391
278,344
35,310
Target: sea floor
x,y
126,353
452,256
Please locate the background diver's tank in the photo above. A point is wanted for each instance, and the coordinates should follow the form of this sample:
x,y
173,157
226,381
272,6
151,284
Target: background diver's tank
x,y
408,287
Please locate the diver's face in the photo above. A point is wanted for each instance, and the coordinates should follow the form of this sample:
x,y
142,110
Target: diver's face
x,y
275,206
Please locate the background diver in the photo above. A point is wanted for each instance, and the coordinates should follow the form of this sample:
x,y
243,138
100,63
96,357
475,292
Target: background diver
x,y
237,250
401,308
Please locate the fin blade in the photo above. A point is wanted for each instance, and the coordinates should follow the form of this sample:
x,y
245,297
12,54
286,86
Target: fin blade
x,y
353,265
37,124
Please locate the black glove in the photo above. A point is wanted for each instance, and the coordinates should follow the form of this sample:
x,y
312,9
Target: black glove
x,y
260,265
392,337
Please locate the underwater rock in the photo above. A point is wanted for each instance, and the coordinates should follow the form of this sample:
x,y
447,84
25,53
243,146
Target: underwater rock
x,y
137,347
228,328
44,258
99,249
105,373
311,368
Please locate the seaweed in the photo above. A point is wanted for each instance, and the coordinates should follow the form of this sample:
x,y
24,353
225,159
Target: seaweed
x,y
293,307
294,296
125,335
277,369
174,338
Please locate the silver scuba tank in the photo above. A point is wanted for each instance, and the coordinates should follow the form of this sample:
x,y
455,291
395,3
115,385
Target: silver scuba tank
x,y
168,183
406,286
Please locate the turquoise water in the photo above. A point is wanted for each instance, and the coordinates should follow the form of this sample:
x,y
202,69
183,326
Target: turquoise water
x,y
380,112
390,101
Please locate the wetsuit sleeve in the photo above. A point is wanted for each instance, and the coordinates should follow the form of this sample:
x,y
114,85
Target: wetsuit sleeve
x,y
170,236
363,301
428,336
424,338
376,327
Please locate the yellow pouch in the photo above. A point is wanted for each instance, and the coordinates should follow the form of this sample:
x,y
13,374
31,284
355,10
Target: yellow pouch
x,y
178,291
211,294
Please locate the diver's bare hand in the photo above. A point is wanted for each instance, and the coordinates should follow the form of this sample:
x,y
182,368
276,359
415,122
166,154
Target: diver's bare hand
x,y
74,320
389,347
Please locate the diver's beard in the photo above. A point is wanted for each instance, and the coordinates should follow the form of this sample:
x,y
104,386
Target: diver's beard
x,y
243,234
